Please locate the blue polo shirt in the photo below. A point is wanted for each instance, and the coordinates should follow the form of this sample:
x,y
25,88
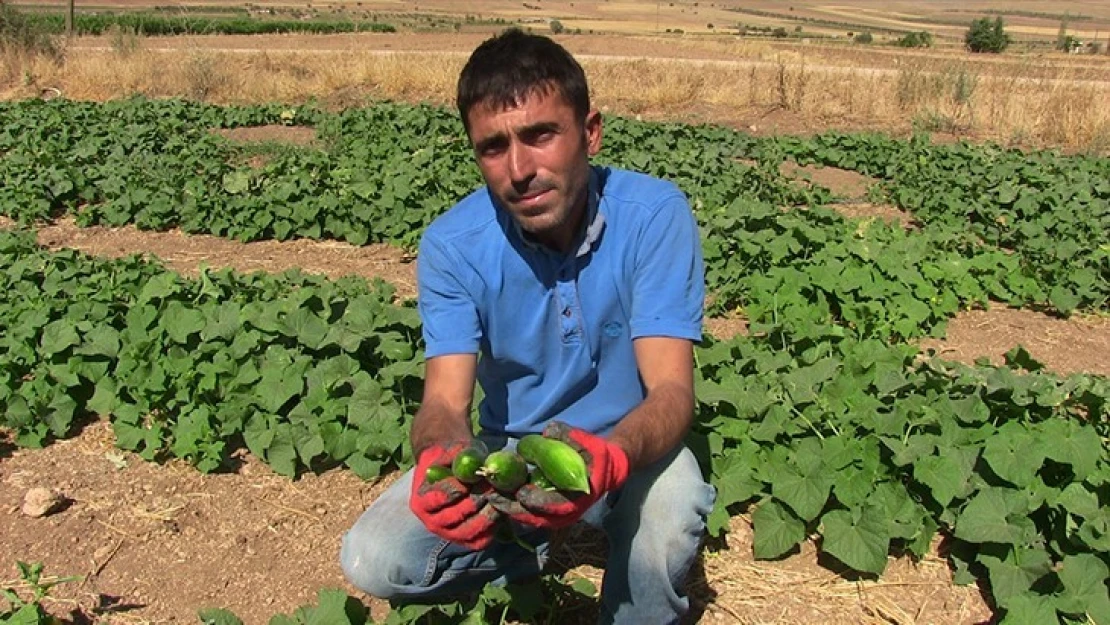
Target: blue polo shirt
x,y
553,332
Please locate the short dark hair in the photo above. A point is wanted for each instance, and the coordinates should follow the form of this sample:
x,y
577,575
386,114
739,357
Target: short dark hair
x,y
505,69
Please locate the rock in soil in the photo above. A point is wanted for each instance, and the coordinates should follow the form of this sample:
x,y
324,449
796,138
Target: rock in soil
x,y
39,502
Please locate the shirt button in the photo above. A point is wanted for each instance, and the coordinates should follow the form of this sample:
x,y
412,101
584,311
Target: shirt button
x,y
566,311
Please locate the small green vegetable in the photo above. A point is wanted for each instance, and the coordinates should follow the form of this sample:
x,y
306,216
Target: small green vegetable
x,y
560,463
505,470
468,464
436,473
539,480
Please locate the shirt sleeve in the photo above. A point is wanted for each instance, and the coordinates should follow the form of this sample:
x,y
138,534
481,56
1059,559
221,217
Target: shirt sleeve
x,y
448,313
669,275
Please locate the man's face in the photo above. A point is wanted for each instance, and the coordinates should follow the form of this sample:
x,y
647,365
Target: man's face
x,y
534,156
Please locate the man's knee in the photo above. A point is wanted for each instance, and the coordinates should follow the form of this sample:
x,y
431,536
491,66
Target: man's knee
x,y
364,566
377,566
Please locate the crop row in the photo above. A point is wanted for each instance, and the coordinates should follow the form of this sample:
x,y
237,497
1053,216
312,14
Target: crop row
x,y
863,443
1025,229
150,24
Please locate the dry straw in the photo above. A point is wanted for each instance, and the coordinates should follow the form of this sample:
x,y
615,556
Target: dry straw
x,y
1050,101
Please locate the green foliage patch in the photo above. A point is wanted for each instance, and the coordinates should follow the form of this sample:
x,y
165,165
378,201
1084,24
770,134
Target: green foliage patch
x,y
821,422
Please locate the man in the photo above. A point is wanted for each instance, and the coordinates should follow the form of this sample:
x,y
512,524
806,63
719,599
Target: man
x,y
572,294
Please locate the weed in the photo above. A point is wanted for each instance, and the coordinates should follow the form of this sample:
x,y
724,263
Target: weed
x,y
20,34
204,76
31,581
125,40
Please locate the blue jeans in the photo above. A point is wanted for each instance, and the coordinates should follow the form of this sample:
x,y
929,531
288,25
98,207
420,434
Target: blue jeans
x,y
654,525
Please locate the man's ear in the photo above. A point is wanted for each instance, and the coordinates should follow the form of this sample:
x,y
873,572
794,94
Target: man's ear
x,y
593,132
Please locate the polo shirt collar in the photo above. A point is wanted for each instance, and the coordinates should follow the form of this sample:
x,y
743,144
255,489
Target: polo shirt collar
x,y
594,218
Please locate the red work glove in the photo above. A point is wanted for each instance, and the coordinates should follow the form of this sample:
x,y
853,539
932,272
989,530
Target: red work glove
x,y
448,508
608,467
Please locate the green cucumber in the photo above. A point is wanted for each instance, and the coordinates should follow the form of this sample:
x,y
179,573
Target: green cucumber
x,y
560,463
467,465
505,470
539,480
436,473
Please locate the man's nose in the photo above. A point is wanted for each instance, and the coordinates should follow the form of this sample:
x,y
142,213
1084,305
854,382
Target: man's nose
x,y
522,167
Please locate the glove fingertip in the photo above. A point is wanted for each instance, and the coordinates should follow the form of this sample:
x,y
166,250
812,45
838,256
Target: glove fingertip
x,y
557,429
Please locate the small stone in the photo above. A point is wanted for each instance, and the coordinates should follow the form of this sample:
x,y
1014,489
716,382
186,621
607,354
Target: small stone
x,y
39,502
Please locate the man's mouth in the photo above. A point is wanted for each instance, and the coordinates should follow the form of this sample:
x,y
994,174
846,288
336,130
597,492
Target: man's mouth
x,y
533,197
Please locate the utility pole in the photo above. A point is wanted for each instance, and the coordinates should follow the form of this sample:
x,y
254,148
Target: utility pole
x,y
69,18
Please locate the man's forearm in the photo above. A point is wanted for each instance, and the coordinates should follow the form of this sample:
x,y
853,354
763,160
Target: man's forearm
x,y
656,426
437,424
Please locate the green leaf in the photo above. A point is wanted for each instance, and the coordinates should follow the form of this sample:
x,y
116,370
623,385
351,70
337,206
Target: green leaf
x,y
986,519
307,327
1063,299
27,614
1008,580
1029,609
805,494
181,322
1019,357
160,286
1077,500
1071,443
335,607
237,182
100,341
104,399
1084,578
860,538
1015,454
734,477
218,616
58,336
281,380
776,530
365,468
947,476
804,382
281,454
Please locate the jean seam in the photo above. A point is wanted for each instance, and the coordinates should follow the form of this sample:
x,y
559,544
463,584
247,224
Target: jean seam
x,y
433,559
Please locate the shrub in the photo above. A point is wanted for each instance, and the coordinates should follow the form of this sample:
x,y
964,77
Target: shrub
x,y
557,27
923,39
1068,43
864,37
986,35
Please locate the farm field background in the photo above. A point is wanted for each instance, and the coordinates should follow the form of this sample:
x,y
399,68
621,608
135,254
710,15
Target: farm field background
x,y
836,261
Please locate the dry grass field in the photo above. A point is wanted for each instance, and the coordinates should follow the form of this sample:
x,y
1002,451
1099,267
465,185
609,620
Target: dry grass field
x,y
1029,96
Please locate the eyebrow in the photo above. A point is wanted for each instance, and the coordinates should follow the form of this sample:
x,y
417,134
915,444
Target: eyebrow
x,y
531,129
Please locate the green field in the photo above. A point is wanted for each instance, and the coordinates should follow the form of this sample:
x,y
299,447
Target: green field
x,y
824,420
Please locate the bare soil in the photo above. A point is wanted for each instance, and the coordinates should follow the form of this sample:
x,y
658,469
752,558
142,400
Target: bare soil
x,y
294,135
1065,346
844,183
